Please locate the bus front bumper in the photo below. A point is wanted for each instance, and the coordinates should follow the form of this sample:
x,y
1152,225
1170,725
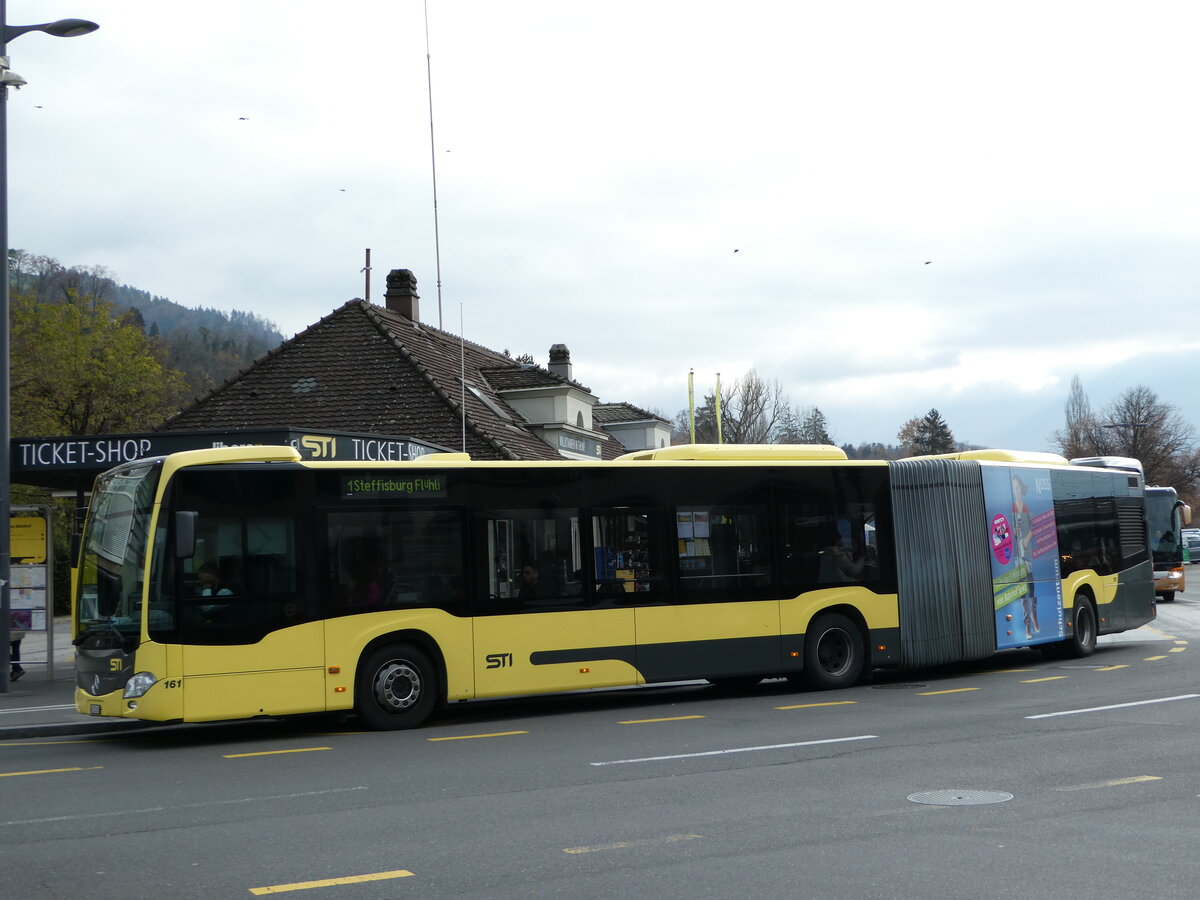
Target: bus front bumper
x,y
156,706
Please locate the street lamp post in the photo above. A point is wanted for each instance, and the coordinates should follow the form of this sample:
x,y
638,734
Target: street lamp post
x,y
9,78
1132,447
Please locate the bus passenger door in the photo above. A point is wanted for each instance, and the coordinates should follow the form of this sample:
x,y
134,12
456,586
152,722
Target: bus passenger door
x,y
538,628
726,620
252,643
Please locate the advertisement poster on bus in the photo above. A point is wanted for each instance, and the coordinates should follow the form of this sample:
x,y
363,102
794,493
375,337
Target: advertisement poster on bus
x,y
1024,542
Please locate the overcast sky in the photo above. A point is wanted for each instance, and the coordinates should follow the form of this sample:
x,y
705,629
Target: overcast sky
x,y
885,206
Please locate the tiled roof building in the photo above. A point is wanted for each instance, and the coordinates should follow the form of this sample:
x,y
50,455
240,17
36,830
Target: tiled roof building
x,y
367,368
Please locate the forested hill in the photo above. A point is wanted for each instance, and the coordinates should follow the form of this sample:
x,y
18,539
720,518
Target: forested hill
x,y
205,345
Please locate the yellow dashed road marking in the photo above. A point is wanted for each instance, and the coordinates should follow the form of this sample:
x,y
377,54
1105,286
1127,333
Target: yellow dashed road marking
x,y
814,705
49,771
471,737
330,882
1037,680
624,845
665,719
951,691
275,752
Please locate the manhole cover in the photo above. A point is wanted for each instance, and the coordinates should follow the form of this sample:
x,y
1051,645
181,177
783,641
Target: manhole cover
x,y
897,687
959,798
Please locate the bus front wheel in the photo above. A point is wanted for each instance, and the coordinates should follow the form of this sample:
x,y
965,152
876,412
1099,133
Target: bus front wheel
x,y
834,654
397,688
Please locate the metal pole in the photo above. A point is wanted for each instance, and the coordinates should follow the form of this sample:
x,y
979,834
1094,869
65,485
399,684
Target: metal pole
x,y
60,28
437,241
717,403
691,406
5,436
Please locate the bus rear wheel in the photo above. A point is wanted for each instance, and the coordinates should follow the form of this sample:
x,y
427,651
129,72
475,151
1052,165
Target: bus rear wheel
x,y
397,688
834,654
1082,640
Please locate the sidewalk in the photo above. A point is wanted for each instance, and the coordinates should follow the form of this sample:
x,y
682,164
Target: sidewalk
x,y
42,702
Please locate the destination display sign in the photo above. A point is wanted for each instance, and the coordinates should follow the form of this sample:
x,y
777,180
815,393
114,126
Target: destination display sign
x,y
380,485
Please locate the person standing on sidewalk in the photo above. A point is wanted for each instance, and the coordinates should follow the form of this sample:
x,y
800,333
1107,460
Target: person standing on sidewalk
x,y
16,634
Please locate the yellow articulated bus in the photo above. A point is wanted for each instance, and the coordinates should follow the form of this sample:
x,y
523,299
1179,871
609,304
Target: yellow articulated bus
x,y
241,582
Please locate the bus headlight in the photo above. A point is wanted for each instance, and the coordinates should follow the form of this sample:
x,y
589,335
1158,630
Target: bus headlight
x,y
139,684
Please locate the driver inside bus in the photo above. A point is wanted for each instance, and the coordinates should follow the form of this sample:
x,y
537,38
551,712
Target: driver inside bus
x,y
209,576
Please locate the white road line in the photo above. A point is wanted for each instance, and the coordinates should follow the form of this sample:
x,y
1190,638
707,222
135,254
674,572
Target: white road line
x,y
1075,712
153,809
621,762
26,709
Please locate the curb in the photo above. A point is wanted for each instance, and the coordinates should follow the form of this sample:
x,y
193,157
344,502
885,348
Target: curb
x,y
56,729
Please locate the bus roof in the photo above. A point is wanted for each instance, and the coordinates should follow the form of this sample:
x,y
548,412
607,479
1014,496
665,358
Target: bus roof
x,y
755,452
1123,463
1007,456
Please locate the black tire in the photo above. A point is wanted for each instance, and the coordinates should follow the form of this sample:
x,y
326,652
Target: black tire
x,y
1167,597
1082,641
834,653
397,688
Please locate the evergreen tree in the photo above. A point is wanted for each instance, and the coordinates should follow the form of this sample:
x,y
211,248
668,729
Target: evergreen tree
x,y
927,435
815,429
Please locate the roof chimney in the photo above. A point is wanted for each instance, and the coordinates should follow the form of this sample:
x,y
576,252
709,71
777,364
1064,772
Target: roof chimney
x,y
560,361
401,294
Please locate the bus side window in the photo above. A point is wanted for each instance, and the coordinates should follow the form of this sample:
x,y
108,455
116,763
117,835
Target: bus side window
x,y
625,552
723,550
533,560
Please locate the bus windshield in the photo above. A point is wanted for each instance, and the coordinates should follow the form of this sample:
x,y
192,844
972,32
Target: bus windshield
x,y
114,550
1164,523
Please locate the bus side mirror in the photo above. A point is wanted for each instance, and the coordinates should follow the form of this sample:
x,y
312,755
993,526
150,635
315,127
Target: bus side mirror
x,y
185,533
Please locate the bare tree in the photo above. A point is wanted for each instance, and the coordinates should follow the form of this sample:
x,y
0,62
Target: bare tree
x,y
1139,425
751,412
1082,434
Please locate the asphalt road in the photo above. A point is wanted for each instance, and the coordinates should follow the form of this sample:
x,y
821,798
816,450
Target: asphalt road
x,y
1018,777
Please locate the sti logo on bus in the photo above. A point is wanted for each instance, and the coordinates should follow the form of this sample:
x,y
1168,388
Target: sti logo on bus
x,y
321,446
499,660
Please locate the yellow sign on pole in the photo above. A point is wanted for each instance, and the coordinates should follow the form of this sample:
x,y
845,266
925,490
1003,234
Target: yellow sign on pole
x,y
27,538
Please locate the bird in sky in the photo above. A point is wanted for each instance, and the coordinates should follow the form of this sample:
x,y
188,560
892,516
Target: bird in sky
x,y
928,261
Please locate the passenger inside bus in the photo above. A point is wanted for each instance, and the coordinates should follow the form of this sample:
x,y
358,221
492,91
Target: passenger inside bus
x,y
838,564
529,582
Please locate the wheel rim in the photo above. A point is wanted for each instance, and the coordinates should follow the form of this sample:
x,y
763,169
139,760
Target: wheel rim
x,y
835,653
397,686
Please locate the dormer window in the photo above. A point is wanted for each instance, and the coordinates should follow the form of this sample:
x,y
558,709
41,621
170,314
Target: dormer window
x,y
489,402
